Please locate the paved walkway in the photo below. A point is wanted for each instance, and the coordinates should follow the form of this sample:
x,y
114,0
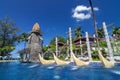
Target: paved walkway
x,y
8,60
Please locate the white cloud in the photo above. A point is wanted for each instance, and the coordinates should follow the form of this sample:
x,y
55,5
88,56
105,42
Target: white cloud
x,y
79,12
96,9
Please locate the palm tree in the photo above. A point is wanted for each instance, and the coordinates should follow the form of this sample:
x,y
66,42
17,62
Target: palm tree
x,y
100,32
23,38
94,22
78,32
107,63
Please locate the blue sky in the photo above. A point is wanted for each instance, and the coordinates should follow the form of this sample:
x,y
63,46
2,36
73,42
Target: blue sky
x,y
56,16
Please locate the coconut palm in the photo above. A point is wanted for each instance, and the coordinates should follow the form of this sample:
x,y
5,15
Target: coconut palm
x,y
105,62
24,37
78,32
94,22
100,32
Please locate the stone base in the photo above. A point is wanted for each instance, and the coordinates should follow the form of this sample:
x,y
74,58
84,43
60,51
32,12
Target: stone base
x,y
34,57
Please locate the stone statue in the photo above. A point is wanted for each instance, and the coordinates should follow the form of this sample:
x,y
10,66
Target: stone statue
x,y
35,41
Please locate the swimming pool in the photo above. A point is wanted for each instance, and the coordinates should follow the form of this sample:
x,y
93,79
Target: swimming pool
x,y
36,71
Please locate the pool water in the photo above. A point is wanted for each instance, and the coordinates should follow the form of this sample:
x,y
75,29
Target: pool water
x,y
36,71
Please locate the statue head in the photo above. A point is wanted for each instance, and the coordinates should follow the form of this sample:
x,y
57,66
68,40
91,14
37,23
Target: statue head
x,y
36,29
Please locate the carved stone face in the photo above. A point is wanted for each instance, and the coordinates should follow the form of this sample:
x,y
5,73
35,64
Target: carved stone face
x,y
36,27
35,43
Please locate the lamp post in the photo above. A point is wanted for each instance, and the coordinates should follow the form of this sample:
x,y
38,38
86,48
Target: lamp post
x,y
70,39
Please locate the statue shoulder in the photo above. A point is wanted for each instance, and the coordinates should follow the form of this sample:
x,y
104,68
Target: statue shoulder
x,y
40,38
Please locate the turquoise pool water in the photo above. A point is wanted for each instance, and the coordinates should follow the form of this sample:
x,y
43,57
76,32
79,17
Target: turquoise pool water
x,y
36,71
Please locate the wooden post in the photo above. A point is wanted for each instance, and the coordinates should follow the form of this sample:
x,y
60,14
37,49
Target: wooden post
x,y
71,51
56,46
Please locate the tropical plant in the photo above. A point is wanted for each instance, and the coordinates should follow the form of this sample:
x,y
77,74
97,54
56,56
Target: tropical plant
x,y
8,36
48,50
78,32
45,48
116,31
6,49
23,38
94,23
60,39
103,44
100,32
95,55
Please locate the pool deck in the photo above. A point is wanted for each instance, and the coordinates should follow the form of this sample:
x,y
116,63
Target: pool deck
x,y
38,61
8,60
100,61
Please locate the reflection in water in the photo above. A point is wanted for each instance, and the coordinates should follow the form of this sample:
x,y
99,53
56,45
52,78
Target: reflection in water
x,y
32,66
57,77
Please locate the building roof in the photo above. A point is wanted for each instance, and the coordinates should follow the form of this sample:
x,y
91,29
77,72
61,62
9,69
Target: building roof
x,y
83,39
